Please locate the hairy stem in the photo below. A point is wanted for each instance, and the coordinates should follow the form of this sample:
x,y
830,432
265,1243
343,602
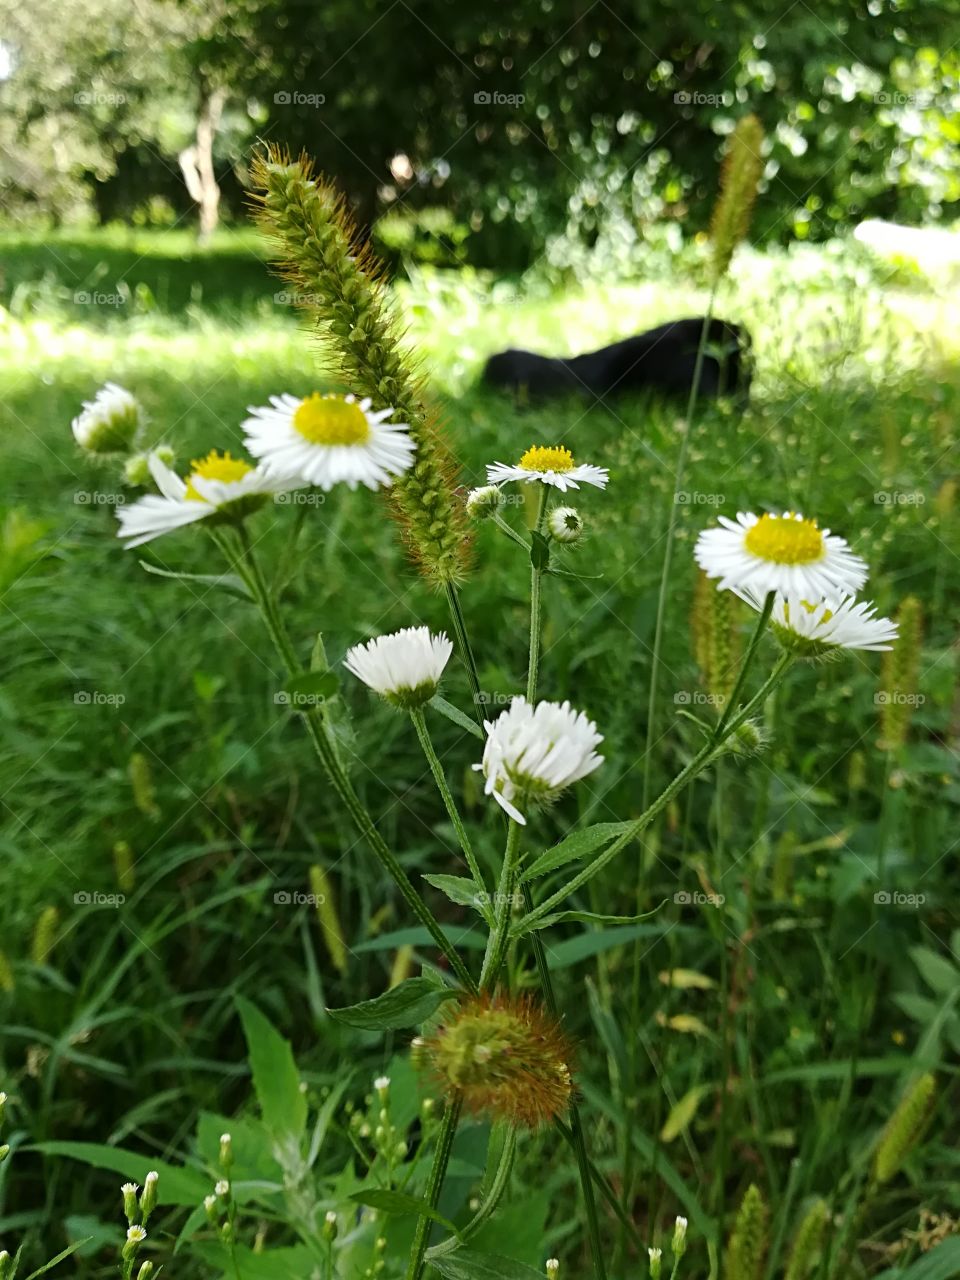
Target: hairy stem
x,y
436,768
438,1171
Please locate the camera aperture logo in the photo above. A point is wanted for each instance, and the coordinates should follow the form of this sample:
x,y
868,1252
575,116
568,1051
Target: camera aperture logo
x,y
296,98
94,898
497,98
294,898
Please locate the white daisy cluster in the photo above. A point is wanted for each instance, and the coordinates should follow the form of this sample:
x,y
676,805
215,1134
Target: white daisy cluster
x,y
534,753
813,575
405,668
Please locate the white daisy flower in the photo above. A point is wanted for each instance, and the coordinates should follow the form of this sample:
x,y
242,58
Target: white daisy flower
x,y
550,464
822,628
108,422
327,440
405,668
218,485
784,553
565,524
533,753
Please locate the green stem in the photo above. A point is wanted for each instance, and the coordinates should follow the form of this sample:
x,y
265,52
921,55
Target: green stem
x,y
499,940
734,698
438,1171
466,652
249,568
536,583
490,1201
436,768
512,534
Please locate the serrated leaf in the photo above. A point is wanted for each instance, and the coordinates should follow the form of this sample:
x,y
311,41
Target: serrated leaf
x,y
463,891
936,970
232,583
582,917
455,714
574,846
403,1205
407,1005
276,1079
465,1264
682,1113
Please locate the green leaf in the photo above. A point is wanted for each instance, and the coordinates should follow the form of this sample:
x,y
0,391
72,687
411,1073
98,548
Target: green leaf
x,y
416,936
539,551
583,917
407,1005
682,1113
465,1264
936,970
403,1205
77,1244
229,582
919,1008
313,685
175,1186
455,714
574,846
276,1079
463,891
585,945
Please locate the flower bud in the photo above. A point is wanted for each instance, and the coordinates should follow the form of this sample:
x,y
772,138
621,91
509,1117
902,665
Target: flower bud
x,y
222,1190
679,1244
129,1193
212,1209
4,1151
565,524
135,1238
382,1086
655,1262
146,1270
148,1198
226,1152
3,1103
329,1229
552,1267
6,1265
108,423
484,502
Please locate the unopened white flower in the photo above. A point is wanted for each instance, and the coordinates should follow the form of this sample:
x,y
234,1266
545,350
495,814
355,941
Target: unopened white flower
x,y
136,1234
784,553
222,1188
822,628
382,1086
550,464
533,753
552,1268
482,503
565,524
328,439
655,1256
679,1244
218,485
108,422
405,667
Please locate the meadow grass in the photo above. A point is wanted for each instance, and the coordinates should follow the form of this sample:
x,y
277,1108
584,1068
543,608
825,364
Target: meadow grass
x,y
136,711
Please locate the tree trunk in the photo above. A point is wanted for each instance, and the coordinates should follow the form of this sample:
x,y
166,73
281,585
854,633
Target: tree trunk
x,y
196,162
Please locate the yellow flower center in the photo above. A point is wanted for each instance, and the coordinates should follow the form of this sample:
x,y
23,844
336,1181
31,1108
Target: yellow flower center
x,y
331,420
785,540
215,466
547,458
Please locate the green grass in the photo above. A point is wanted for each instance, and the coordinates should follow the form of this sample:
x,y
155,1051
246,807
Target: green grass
x,y
125,1028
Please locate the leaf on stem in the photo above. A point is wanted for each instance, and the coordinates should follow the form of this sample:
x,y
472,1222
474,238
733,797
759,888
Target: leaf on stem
x,y
407,1005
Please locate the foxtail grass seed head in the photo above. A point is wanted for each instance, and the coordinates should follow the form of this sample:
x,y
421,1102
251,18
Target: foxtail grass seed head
x,y
656,1263
109,422
334,272
565,524
747,1249
331,930
124,866
141,784
904,1128
820,630
786,553
533,753
679,1242
148,1197
45,936
808,1242
739,178
507,1058
218,488
8,983
897,697
484,502
714,623
405,667
550,465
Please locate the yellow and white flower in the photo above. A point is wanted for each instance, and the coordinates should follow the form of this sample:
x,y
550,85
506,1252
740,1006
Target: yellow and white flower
x,y
405,667
550,464
329,439
217,486
534,753
822,628
109,422
784,553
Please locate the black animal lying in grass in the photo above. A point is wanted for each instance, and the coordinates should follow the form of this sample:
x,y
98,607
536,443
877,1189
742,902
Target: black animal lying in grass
x,y
662,359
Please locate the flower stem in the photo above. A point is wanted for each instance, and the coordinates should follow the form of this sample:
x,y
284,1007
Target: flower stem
x,y
732,701
536,582
463,640
493,1197
436,768
438,1171
248,567
499,939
